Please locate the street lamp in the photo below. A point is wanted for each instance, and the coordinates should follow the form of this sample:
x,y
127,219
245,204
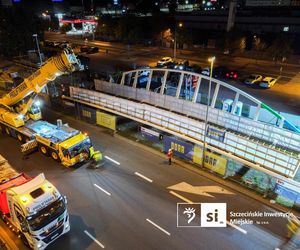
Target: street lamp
x,y
180,25
38,48
211,60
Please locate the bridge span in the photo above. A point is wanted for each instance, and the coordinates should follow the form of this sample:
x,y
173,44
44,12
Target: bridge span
x,y
238,125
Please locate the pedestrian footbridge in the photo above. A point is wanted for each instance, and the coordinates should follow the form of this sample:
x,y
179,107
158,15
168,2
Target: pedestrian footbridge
x,y
239,126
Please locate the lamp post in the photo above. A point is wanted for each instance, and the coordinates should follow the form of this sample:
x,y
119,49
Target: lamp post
x,y
38,48
211,60
175,42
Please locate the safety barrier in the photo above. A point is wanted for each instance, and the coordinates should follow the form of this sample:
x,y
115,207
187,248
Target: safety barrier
x,y
252,152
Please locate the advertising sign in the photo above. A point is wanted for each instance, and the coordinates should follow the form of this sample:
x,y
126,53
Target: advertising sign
x,y
216,134
180,148
150,134
212,161
289,193
106,120
87,114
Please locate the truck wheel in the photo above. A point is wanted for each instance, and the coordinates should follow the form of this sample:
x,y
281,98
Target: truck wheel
x,y
20,137
7,131
44,150
55,156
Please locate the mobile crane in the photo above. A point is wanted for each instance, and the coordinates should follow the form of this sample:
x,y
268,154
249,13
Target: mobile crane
x,y
20,116
32,207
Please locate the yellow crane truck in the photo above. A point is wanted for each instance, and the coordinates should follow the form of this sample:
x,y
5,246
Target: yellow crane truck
x,y
20,116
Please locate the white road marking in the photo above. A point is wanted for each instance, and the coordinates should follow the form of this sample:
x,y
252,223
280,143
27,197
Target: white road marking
x,y
157,226
237,227
143,176
103,190
93,238
181,197
112,160
199,190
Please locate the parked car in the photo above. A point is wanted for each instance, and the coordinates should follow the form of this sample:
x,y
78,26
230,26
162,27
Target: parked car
x,y
267,82
232,74
221,72
182,65
253,79
205,71
164,61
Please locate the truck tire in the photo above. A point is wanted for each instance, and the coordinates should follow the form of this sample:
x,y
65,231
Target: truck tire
x,y
20,137
7,131
44,150
54,156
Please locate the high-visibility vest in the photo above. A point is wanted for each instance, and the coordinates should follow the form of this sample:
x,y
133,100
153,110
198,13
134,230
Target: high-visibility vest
x,y
293,225
97,156
170,154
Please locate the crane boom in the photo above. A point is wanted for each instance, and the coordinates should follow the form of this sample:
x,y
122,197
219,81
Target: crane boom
x,y
66,62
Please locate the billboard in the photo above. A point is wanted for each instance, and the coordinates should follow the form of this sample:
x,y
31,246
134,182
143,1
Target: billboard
x,y
86,113
150,134
216,134
106,120
212,161
180,148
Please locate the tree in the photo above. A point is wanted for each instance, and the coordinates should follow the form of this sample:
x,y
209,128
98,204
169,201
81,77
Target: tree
x,y
234,40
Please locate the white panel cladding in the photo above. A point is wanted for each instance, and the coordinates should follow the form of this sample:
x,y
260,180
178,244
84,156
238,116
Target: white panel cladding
x,y
251,150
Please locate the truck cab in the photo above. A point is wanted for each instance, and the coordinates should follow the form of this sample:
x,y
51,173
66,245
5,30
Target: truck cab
x,y
36,210
75,150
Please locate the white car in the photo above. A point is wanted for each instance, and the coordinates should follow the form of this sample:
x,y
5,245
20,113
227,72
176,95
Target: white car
x,y
253,79
206,71
164,61
267,82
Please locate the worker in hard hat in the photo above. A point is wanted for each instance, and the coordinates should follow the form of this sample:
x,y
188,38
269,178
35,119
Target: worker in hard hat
x,y
170,155
96,159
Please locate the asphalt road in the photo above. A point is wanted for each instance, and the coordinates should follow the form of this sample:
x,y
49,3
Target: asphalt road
x,y
283,96
121,209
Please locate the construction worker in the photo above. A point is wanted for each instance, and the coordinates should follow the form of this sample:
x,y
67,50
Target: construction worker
x,y
293,226
170,155
292,232
96,158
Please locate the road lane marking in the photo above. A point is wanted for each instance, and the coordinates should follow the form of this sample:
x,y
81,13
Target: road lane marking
x,y
181,197
157,226
103,190
237,227
143,176
112,160
200,190
93,238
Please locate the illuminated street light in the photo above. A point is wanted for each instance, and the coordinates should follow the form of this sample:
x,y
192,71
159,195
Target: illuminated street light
x,y
211,60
